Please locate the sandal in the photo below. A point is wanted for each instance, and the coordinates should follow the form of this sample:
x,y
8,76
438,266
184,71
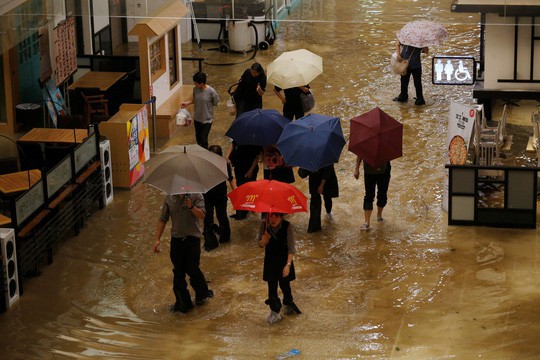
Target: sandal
x,y
364,227
380,219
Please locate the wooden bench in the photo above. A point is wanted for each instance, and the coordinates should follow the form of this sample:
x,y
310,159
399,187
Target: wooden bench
x,y
166,112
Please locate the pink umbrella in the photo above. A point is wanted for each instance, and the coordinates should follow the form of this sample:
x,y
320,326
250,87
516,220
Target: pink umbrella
x,y
422,33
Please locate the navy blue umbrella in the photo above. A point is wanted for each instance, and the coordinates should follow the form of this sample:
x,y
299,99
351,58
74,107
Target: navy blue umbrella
x,y
312,142
257,127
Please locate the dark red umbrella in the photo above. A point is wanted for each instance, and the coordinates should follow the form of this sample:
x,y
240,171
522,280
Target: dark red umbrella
x,y
268,196
376,137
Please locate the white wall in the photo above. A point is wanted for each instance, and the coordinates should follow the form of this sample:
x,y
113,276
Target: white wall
x,y
161,88
139,9
499,53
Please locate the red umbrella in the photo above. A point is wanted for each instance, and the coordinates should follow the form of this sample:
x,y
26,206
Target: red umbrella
x,y
376,137
268,196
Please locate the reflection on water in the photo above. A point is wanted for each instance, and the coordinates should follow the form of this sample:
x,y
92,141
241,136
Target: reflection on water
x,y
412,287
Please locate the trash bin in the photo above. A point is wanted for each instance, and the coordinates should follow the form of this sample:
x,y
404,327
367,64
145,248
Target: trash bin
x,y
29,115
260,25
239,35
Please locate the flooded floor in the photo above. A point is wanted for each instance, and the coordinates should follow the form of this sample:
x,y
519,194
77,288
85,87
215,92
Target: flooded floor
x,y
410,288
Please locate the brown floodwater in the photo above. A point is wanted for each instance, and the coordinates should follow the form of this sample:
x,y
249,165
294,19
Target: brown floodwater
x,y
411,288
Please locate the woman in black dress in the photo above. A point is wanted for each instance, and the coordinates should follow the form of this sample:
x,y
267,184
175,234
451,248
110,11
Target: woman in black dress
x,y
251,87
277,237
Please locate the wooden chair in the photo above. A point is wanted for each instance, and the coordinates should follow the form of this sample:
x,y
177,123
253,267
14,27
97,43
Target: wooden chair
x,y
96,108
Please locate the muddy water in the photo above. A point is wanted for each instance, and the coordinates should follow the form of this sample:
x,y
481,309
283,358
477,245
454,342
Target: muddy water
x,y
411,288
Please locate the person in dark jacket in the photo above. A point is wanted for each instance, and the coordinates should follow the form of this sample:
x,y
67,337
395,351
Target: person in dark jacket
x,y
321,182
276,236
292,104
415,69
245,162
251,87
216,199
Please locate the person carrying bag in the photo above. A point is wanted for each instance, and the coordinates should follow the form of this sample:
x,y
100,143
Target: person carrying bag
x,y
411,55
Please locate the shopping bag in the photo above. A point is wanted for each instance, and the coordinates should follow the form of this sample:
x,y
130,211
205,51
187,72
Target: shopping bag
x,y
183,117
231,106
308,101
399,67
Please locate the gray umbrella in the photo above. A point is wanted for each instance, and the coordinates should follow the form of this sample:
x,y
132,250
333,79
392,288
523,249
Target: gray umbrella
x,y
181,169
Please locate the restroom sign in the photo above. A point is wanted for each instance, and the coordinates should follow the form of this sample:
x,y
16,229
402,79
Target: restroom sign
x,y
453,70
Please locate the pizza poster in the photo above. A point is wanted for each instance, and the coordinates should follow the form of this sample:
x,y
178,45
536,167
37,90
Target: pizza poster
x,y
461,119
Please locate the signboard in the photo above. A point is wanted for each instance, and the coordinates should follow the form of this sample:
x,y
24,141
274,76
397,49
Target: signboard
x,y
85,152
29,202
460,129
59,176
65,41
453,70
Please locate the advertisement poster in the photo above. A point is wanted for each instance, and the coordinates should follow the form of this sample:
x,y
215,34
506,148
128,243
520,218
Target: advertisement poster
x,y
460,129
54,101
133,143
144,136
138,145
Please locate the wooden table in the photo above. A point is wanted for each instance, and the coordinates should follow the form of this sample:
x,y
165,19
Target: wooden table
x,y
51,135
4,220
97,79
16,182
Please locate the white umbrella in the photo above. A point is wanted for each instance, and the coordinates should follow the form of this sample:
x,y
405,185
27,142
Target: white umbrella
x,y
422,33
294,68
181,169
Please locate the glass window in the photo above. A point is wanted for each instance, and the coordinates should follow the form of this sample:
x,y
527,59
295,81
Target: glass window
x,y
173,60
157,58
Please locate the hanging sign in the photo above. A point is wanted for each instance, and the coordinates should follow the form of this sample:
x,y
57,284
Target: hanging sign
x,y
453,70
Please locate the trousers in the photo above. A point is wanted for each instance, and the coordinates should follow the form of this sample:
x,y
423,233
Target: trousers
x,y
417,80
379,181
185,256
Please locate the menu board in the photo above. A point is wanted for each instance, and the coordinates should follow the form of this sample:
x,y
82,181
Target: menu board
x,y
85,152
29,202
461,119
65,43
60,175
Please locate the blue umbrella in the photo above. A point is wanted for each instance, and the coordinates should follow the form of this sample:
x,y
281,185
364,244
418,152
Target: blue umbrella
x,y
257,127
312,142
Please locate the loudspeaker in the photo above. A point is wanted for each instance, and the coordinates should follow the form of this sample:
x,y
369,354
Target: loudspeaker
x,y
106,170
9,267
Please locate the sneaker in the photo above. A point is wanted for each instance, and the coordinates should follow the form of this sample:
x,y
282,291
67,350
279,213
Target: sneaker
x,y
420,102
400,98
274,317
203,301
364,227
